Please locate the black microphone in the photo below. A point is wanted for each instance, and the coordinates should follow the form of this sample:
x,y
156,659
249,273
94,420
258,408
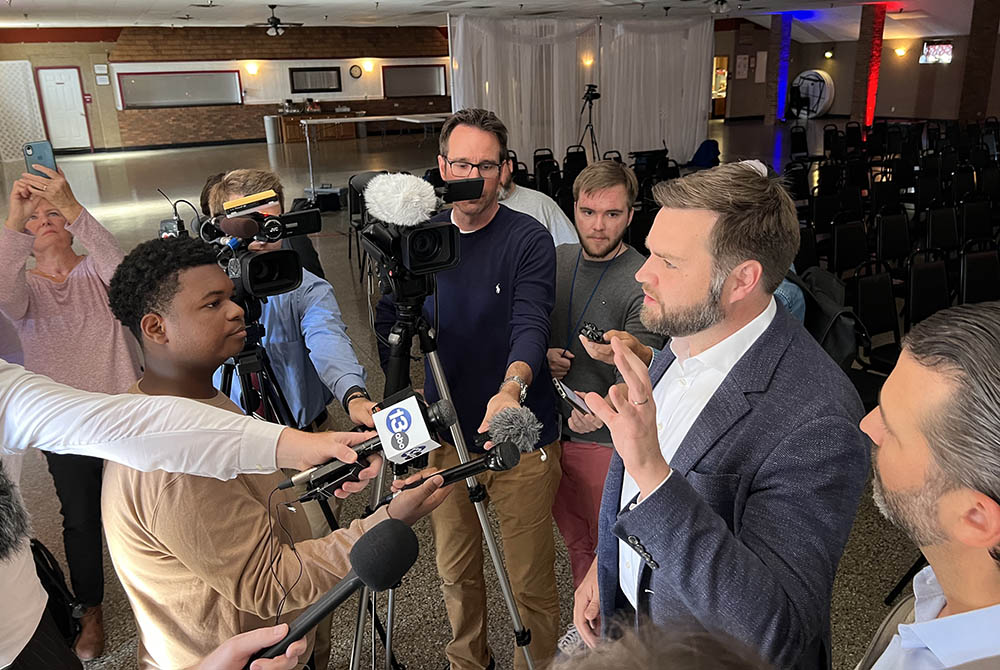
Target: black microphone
x,y
512,424
364,449
379,560
503,456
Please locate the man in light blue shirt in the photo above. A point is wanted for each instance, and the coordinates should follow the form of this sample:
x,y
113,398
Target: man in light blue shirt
x,y
304,334
936,457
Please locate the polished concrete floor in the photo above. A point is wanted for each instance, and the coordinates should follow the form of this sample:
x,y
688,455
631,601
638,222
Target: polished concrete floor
x,y
121,188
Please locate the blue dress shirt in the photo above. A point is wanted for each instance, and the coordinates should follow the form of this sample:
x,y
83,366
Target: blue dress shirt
x,y
930,643
310,352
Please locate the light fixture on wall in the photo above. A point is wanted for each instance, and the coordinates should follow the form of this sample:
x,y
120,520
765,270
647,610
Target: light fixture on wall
x,y
828,55
587,60
719,7
900,51
368,66
251,67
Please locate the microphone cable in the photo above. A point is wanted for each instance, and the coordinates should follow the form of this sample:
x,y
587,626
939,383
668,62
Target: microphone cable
x,y
272,557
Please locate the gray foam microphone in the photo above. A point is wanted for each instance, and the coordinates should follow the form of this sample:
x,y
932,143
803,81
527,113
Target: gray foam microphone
x,y
513,424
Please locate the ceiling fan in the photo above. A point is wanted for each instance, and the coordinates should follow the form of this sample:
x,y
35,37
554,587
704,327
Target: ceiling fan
x,y
186,17
715,6
206,5
274,25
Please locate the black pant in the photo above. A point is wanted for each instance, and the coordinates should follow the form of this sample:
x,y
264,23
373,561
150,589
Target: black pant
x,y
46,650
78,485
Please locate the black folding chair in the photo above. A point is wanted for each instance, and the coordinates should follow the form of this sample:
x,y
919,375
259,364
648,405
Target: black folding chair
x,y
928,290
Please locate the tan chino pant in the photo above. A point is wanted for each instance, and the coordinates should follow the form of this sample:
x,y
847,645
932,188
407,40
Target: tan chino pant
x,y
522,501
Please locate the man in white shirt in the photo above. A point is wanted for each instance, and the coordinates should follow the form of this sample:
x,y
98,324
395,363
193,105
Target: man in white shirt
x,y
37,412
731,494
538,206
936,458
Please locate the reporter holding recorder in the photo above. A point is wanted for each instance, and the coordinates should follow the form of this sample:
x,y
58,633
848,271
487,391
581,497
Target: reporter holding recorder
x,y
172,434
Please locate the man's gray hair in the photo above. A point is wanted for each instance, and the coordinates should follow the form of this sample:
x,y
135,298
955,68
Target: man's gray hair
x,y
963,343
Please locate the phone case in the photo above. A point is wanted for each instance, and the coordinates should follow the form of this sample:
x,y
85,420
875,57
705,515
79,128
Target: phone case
x,y
39,153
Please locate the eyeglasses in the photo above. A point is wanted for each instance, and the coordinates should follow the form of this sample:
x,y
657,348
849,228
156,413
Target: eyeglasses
x,y
464,168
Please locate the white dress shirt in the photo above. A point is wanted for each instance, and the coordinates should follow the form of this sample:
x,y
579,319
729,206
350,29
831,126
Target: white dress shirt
x,y
930,643
680,396
146,433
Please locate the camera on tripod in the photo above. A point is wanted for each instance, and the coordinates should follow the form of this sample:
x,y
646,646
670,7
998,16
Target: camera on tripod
x,y
591,93
259,274
395,230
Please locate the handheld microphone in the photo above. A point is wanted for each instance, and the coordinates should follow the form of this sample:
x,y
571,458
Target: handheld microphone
x,y
512,424
503,456
400,199
403,434
379,560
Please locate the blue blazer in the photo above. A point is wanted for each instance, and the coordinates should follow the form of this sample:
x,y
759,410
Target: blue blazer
x,y
746,534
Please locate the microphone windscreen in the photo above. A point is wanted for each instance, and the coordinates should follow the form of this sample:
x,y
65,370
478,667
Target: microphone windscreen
x,y
239,226
401,199
384,554
518,425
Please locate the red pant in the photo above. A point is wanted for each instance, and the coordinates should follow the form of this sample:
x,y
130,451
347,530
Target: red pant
x,y
578,501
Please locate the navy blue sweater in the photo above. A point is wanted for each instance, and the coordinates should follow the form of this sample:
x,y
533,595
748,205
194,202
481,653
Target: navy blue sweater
x,y
494,310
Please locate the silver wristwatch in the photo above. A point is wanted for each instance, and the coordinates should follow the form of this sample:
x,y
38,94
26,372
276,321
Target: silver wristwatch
x,y
520,382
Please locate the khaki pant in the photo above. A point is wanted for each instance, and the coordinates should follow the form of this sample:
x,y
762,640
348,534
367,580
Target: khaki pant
x,y
522,500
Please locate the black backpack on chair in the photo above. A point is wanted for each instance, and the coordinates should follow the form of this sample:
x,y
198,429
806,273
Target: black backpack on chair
x,y
65,609
834,325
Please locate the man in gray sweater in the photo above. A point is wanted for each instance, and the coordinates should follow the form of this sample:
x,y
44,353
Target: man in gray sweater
x,y
595,283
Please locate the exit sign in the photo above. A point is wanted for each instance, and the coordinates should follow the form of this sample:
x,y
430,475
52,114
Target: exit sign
x,y
88,98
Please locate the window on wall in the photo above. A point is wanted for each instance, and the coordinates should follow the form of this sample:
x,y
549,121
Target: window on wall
x,y
936,51
179,89
315,79
403,81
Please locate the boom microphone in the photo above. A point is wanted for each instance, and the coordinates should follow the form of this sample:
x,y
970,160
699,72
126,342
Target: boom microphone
x,y
400,199
512,424
379,560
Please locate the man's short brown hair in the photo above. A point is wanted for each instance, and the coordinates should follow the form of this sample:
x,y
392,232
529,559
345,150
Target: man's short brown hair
x,y
483,119
603,175
244,182
757,218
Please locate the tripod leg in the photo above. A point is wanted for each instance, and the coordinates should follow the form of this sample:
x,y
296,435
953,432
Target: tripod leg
x,y
359,629
522,636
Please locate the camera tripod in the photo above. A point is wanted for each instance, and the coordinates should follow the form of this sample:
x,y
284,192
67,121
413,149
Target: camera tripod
x,y
410,323
588,106
260,393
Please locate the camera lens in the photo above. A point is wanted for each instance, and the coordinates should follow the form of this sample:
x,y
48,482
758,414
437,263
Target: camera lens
x,y
425,245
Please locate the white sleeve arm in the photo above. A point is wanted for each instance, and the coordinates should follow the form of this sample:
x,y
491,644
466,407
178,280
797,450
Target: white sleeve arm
x,y
142,432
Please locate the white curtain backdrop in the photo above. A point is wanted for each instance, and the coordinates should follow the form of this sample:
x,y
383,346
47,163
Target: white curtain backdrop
x,y
656,81
531,73
654,77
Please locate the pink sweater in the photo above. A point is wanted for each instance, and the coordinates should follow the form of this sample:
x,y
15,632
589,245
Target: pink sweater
x,y
67,330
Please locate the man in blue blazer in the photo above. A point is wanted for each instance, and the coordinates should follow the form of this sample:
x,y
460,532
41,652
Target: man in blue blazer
x,y
739,462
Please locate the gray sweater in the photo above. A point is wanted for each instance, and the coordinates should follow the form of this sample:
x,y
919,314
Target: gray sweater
x,y
615,306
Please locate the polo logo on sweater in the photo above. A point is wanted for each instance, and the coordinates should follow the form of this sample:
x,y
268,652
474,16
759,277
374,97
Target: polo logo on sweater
x,y
498,288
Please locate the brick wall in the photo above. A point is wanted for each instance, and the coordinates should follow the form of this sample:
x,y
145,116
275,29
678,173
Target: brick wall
x,y
219,123
167,44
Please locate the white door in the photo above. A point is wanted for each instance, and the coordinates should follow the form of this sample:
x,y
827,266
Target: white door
x,y
62,100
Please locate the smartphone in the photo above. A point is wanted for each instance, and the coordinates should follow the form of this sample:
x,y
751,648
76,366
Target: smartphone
x,y
39,153
570,396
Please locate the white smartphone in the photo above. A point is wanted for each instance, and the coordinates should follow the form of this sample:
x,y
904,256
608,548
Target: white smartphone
x,y
570,396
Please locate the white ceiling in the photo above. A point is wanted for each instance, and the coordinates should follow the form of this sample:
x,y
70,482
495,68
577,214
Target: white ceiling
x,y
816,20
